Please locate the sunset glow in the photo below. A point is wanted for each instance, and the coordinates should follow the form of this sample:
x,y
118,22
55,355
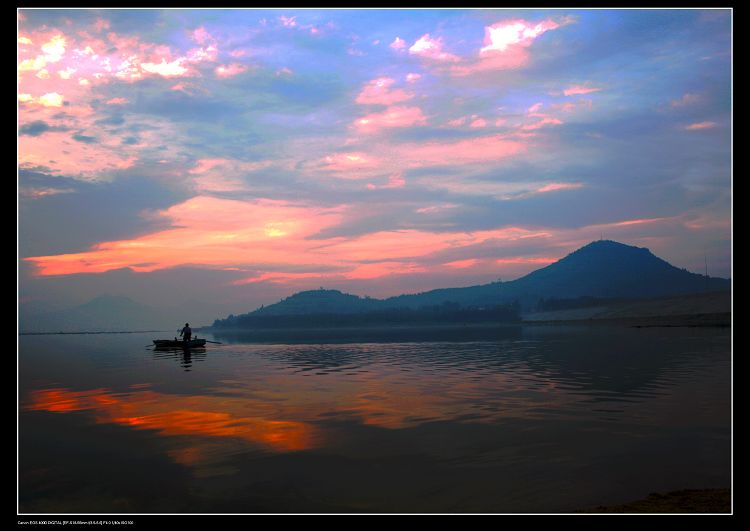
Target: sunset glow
x,y
264,152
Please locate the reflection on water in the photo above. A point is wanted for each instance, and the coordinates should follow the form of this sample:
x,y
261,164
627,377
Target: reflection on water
x,y
186,357
515,420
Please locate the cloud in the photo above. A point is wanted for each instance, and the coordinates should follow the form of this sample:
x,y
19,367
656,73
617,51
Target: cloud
x,y
165,69
51,99
395,180
85,139
430,48
686,100
32,65
379,92
54,49
230,70
554,187
503,36
117,101
547,120
505,47
394,116
575,90
201,36
36,193
700,126
398,43
34,128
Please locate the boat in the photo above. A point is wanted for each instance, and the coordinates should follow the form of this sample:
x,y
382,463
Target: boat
x,y
178,343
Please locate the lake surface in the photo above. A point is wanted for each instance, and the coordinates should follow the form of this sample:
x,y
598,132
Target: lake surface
x,y
516,419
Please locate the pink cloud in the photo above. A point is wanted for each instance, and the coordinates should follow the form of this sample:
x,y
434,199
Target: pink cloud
x,y
462,264
469,151
196,55
395,180
101,25
547,120
553,187
379,92
686,100
276,278
224,175
580,89
541,261
535,108
230,70
412,78
63,156
505,47
478,123
117,101
380,269
204,165
391,117
352,165
431,48
239,52
701,125
288,22
398,43
201,36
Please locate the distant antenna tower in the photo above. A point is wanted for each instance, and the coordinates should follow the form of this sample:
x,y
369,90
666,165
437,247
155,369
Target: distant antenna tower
x,y
705,261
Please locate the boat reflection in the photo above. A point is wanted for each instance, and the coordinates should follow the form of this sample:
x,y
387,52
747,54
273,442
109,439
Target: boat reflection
x,y
185,356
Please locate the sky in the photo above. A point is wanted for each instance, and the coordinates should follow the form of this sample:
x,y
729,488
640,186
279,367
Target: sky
x,y
224,159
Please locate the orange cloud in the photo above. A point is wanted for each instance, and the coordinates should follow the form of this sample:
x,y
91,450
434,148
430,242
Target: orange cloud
x,y
700,126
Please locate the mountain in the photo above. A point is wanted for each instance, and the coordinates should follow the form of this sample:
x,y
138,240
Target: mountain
x,y
603,269
320,301
105,313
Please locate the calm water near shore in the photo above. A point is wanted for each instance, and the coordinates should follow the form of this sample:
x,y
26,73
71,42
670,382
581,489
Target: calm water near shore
x,y
519,419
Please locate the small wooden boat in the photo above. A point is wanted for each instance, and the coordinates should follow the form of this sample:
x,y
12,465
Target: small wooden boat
x,y
178,343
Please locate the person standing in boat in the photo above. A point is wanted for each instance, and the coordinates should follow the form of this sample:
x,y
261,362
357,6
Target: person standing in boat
x,y
186,333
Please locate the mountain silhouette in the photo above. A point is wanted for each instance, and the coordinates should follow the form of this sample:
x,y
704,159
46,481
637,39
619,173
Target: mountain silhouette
x,y
601,269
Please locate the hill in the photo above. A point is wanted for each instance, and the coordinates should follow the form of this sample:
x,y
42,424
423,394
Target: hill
x,y
601,269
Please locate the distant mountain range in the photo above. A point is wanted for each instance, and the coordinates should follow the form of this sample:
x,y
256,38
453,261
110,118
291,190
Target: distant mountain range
x,y
106,313
602,269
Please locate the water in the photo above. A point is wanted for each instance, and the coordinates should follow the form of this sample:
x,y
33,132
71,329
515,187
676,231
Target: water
x,y
518,419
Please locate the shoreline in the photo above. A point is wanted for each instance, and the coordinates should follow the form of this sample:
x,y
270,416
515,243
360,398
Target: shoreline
x,y
691,501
